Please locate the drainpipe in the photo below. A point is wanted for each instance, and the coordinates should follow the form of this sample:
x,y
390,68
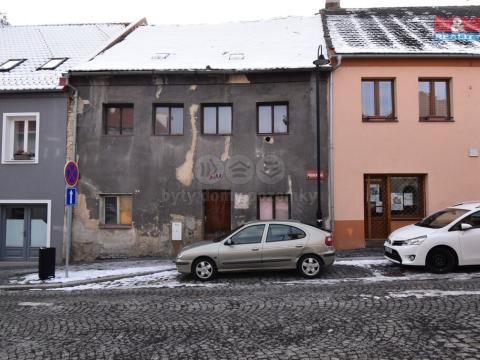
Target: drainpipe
x,y
330,146
72,158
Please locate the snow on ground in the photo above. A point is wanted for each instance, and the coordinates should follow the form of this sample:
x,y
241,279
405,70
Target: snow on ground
x,y
78,274
362,262
419,294
164,279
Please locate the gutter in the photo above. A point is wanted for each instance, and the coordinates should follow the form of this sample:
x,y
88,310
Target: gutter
x,y
190,72
407,55
331,203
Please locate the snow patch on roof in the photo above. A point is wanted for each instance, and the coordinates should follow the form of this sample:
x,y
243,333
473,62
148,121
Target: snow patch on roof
x,y
282,43
38,43
395,31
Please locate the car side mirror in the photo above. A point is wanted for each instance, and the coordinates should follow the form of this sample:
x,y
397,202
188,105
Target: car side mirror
x,y
228,242
465,227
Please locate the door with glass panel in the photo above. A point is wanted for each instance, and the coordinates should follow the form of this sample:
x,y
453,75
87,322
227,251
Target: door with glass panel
x,y
23,231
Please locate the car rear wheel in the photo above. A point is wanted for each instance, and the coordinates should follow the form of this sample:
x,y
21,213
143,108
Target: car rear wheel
x,y
204,269
441,260
309,266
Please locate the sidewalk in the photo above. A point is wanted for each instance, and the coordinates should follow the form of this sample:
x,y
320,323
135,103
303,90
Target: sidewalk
x,y
26,277
23,275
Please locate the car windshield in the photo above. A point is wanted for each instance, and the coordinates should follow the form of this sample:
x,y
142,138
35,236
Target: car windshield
x,y
442,218
223,236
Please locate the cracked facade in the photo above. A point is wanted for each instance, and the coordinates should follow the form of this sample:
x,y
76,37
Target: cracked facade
x,y
193,185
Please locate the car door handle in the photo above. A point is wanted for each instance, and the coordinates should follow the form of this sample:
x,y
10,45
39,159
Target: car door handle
x,y
255,249
298,246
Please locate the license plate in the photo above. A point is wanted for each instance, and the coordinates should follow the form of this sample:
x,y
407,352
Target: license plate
x,y
388,250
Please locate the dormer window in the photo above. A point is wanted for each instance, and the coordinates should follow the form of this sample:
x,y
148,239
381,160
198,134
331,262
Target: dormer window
x,y
52,63
10,64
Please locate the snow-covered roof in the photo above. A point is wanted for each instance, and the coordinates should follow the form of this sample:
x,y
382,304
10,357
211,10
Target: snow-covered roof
x,y
39,43
282,43
393,31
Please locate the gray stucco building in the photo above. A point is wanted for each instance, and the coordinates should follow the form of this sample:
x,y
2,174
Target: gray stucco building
x,y
33,127
186,132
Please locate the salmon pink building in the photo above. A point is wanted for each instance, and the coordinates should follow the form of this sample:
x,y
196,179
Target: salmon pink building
x,y
405,117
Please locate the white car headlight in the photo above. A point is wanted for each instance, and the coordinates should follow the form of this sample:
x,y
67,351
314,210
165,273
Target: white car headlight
x,y
180,255
415,241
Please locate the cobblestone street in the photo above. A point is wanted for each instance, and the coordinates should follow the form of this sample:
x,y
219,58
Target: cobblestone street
x,y
347,313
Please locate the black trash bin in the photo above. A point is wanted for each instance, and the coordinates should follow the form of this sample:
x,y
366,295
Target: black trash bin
x,y
46,263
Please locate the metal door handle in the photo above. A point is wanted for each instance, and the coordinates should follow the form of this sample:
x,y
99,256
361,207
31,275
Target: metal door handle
x,y
298,246
256,249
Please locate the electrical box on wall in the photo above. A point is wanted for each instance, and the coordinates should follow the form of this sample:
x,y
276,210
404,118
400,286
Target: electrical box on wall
x,y
177,231
473,152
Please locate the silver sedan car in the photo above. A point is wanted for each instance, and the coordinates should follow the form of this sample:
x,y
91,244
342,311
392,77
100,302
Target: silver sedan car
x,y
260,245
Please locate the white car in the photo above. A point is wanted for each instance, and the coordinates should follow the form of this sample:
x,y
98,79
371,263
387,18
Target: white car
x,y
441,241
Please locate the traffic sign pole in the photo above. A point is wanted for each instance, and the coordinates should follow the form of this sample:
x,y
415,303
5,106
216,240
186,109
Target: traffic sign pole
x,y
71,175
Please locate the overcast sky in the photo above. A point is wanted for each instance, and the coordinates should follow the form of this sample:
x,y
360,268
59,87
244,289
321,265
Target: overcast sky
x,y
21,12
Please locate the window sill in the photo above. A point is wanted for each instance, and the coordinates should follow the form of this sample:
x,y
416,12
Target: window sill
x,y
272,134
437,119
229,134
375,119
19,162
115,226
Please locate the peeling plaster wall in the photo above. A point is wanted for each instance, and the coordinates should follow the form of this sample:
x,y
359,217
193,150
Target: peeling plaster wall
x,y
160,171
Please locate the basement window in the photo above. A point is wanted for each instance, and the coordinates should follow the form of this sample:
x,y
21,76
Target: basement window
x,y
10,64
116,210
52,63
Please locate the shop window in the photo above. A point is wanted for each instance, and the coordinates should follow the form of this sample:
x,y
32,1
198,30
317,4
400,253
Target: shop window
x,y
168,120
406,196
116,210
20,138
378,100
118,119
217,119
272,118
434,100
274,207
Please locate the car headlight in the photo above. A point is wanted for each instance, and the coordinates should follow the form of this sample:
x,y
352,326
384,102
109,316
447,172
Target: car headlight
x,y
415,241
180,254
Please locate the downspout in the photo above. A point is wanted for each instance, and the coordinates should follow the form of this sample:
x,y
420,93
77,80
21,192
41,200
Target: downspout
x,y
330,147
73,157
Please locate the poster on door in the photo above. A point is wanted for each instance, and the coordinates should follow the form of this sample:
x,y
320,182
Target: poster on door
x,y
375,193
397,201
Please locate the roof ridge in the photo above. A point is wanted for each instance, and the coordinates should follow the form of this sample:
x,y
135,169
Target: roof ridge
x,y
241,21
69,24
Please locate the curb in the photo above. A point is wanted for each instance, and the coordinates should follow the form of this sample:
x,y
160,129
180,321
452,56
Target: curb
x,y
78,282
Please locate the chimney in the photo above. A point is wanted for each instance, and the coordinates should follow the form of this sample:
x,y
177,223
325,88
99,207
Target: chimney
x,y
332,4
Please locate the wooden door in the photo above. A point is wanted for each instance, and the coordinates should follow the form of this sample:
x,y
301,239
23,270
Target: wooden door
x,y
217,210
376,207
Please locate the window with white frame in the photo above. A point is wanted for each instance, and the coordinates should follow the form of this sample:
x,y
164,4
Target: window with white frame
x,y
20,137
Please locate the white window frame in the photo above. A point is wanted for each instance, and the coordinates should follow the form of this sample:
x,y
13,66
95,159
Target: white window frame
x,y
36,202
8,131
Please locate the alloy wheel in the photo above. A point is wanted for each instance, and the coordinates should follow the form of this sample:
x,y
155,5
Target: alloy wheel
x,y
204,270
310,266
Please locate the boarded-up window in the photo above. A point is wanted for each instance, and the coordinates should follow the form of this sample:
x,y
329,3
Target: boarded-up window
x,y
274,207
116,209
